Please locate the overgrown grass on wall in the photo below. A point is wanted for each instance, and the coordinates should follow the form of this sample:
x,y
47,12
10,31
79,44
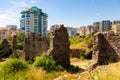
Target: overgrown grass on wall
x,y
84,42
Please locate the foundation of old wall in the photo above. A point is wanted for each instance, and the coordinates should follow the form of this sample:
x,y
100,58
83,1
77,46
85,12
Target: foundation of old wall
x,y
106,48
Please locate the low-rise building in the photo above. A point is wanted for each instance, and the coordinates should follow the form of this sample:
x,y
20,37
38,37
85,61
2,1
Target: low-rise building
x,y
71,31
116,28
13,29
9,30
4,33
85,30
105,25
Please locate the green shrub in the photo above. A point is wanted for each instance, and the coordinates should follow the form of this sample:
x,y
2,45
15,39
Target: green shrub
x,y
20,45
14,65
30,61
12,56
20,36
47,63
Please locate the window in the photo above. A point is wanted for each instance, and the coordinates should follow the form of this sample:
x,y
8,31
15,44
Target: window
x,y
23,16
35,29
27,15
35,15
35,26
35,20
27,23
35,23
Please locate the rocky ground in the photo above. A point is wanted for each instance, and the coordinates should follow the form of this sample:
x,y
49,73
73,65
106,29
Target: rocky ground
x,y
80,63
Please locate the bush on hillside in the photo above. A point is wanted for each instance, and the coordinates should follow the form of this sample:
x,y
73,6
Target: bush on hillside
x,y
47,63
14,65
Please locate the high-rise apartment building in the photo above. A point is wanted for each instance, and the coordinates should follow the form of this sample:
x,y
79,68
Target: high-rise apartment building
x,y
116,22
82,30
89,29
96,26
72,32
105,25
34,20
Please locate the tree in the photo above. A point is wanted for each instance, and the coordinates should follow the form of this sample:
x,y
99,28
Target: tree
x,y
20,36
9,38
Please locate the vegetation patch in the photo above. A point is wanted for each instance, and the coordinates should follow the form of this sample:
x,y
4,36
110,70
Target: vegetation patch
x,y
83,43
14,65
47,63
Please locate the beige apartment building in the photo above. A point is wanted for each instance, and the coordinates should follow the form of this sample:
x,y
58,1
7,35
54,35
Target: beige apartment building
x,y
116,28
7,31
85,30
4,33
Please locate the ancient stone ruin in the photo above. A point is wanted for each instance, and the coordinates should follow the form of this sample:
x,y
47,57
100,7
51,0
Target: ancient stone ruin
x,y
14,45
60,50
34,45
106,48
5,49
76,53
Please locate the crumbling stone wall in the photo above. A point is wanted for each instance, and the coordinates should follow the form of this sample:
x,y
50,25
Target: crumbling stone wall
x,y
14,45
5,49
106,48
60,46
76,53
34,45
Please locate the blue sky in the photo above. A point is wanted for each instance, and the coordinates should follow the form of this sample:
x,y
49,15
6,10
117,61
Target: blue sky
x,y
72,13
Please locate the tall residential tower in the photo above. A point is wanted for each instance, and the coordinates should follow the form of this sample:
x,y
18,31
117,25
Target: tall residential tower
x,y
34,20
105,25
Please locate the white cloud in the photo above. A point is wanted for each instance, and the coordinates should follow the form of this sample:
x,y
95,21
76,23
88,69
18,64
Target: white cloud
x,y
6,19
19,3
33,1
11,15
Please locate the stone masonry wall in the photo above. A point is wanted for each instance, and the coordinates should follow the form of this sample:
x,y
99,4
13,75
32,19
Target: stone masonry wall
x,y
60,50
34,45
106,47
5,49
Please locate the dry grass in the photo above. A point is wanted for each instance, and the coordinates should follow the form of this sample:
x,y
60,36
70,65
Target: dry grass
x,y
40,74
111,72
36,74
79,45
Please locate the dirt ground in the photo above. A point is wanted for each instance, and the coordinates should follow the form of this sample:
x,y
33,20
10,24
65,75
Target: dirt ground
x,y
80,63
